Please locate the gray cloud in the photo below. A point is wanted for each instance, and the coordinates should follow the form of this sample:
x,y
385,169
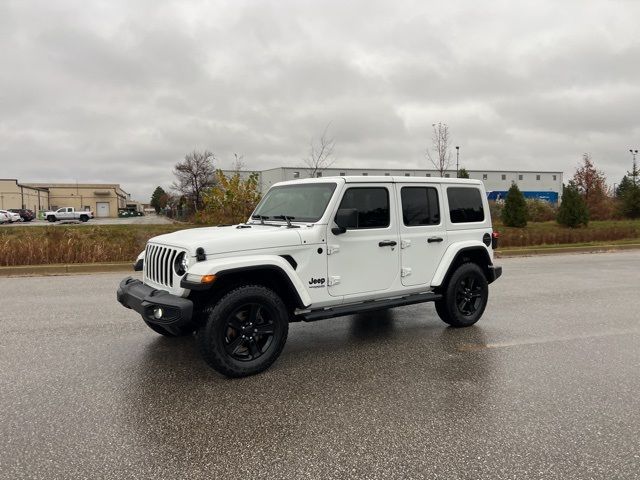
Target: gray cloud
x,y
119,91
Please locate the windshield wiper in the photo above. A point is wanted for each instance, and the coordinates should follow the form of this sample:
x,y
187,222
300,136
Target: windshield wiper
x,y
287,219
262,218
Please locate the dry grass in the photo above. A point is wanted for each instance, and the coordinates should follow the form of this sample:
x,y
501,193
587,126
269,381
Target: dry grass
x,y
550,233
115,243
75,244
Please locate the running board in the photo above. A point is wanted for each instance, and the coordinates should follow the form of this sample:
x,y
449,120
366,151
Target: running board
x,y
369,306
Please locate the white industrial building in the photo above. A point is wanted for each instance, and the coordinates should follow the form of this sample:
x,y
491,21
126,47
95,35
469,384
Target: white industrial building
x,y
534,184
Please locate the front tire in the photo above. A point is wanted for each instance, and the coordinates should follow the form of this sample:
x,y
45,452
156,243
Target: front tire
x,y
465,296
244,332
51,218
84,218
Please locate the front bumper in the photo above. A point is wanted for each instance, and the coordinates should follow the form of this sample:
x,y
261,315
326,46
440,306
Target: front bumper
x,y
176,311
494,273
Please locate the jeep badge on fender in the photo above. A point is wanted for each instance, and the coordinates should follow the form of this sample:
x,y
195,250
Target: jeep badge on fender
x,y
381,242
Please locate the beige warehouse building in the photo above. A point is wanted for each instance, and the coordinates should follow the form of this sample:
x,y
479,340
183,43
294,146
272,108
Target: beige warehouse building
x,y
17,195
103,199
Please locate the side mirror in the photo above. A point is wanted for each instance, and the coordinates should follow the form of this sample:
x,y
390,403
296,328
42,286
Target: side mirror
x,y
346,218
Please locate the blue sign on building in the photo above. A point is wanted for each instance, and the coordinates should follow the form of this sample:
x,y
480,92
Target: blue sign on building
x,y
551,197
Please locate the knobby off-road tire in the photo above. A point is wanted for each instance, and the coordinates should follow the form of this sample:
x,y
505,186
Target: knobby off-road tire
x,y
174,332
244,332
464,297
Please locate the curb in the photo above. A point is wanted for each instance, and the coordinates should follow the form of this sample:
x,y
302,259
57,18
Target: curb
x,y
529,252
39,270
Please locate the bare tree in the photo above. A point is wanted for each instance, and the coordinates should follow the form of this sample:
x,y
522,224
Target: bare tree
x,y
441,140
194,175
238,163
320,153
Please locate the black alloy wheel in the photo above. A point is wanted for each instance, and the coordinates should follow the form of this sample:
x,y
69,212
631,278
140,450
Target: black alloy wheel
x,y
244,332
249,331
469,294
464,297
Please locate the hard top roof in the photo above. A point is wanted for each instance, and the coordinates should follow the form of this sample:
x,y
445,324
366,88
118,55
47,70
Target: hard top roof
x,y
382,179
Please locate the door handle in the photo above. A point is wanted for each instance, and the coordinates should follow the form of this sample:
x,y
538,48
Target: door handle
x,y
435,239
387,243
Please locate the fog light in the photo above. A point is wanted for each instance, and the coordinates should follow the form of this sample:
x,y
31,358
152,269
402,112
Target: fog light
x,y
157,313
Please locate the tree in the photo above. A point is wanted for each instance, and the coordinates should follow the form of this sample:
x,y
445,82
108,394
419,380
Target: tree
x,y
625,184
232,199
630,202
540,210
441,144
194,175
628,195
238,163
592,185
462,173
514,213
320,153
573,210
159,199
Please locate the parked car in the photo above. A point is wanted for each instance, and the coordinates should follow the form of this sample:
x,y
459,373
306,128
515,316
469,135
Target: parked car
x,y
68,213
4,218
12,217
26,214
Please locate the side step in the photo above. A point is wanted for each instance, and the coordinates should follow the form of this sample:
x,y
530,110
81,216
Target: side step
x,y
369,306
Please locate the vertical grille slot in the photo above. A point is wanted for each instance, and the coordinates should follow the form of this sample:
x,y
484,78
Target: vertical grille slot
x,y
172,258
158,264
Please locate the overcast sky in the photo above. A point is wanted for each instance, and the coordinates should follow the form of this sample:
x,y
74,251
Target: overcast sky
x,y
118,91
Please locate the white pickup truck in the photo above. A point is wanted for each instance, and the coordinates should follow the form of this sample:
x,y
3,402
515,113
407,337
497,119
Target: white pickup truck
x,y
68,213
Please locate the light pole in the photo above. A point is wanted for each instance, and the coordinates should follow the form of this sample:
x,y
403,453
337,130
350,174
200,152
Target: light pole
x,y
458,159
634,172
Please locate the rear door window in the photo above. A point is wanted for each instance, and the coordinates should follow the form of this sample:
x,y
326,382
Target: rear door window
x,y
465,204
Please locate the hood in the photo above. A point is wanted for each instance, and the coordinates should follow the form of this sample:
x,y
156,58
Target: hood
x,y
217,240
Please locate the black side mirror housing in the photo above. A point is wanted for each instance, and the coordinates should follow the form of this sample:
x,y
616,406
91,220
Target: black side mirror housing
x,y
346,218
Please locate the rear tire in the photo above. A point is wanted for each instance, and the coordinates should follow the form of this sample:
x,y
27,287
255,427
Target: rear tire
x,y
244,332
465,296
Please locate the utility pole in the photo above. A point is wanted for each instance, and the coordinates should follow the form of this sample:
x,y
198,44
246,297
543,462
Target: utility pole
x,y
634,172
458,159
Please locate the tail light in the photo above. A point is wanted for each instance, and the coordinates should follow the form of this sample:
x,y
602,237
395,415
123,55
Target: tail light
x,y
494,240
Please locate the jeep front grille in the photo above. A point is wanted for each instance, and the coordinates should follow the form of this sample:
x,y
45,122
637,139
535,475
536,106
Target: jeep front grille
x,y
158,264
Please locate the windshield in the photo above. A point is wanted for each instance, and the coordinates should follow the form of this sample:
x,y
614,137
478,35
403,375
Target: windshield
x,y
300,203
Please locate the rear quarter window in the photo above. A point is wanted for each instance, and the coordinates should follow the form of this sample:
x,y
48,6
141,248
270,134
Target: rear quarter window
x,y
465,204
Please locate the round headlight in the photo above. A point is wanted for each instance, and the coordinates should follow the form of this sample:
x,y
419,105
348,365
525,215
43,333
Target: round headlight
x,y
181,264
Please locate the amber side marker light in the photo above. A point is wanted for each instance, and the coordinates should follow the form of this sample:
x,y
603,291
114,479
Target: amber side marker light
x,y
208,279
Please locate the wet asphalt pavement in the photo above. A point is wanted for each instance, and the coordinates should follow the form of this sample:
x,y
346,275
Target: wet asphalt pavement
x,y
546,385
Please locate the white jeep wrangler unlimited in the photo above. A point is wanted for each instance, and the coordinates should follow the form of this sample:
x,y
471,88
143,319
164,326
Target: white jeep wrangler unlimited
x,y
316,249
